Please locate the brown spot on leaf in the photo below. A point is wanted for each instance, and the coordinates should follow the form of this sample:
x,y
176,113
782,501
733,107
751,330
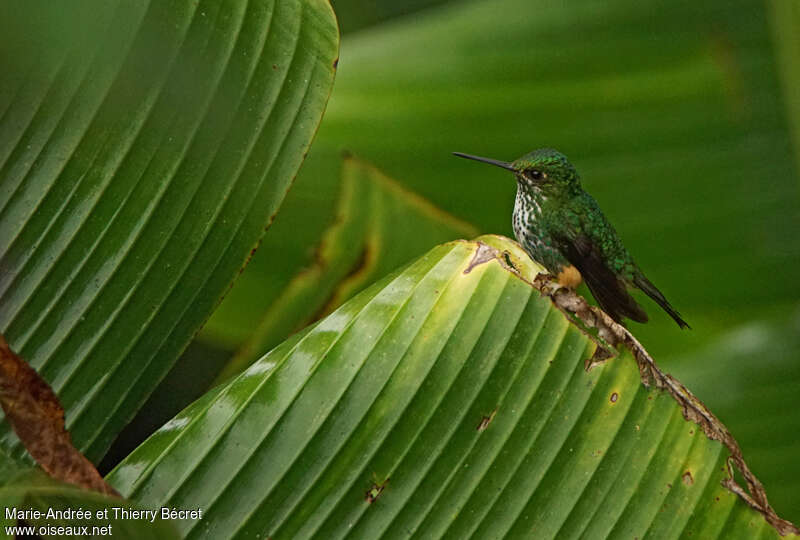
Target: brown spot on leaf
x,y
336,63
687,478
486,420
614,397
374,491
35,414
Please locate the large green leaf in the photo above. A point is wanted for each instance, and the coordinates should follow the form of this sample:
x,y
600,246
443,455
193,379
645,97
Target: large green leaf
x,y
144,147
378,227
450,399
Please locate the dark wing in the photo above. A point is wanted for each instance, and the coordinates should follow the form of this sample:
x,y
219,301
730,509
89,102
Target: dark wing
x,y
609,291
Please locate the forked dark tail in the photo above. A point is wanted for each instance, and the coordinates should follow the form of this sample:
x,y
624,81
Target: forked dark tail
x,y
644,284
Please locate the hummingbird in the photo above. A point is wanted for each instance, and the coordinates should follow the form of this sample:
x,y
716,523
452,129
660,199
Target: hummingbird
x,y
561,227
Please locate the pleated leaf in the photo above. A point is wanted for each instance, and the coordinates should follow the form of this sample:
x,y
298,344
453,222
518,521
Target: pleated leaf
x,y
144,147
448,400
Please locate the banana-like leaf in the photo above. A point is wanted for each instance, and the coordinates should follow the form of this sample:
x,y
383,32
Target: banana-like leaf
x,y
379,226
448,400
26,490
144,147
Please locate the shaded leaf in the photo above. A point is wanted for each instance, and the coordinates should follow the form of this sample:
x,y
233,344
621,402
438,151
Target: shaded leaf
x,y
378,227
144,148
450,399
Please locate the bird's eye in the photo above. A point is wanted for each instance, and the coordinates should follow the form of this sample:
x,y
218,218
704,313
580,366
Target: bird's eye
x,y
534,174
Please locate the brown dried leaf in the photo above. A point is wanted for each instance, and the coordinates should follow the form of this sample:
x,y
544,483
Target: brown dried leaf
x,y
35,414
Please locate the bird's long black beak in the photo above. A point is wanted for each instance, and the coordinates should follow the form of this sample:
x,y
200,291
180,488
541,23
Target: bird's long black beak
x,y
490,161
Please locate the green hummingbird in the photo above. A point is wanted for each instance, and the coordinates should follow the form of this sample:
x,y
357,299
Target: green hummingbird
x,y
561,227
